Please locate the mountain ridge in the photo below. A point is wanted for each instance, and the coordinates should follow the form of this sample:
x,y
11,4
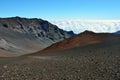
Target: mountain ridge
x,y
26,35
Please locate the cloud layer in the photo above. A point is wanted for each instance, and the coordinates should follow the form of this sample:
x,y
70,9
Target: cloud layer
x,y
93,25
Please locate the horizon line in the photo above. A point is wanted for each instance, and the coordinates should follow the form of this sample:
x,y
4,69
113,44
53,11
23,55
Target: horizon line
x,y
70,19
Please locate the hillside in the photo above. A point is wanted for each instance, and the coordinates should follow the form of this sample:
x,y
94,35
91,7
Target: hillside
x,y
27,35
96,58
84,39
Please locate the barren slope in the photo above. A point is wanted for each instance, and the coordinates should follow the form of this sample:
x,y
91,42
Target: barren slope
x,y
84,39
96,61
23,35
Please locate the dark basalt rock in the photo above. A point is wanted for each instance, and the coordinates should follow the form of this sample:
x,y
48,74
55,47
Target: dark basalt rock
x,y
28,35
40,28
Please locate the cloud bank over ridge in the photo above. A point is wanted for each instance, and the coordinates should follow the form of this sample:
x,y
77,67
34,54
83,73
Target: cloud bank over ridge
x,y
78,26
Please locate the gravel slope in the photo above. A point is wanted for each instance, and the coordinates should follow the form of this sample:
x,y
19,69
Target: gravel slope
x,y
100,61
75,64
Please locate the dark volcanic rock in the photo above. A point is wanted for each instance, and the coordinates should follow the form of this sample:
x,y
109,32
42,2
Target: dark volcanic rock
x,y
37,27
26,35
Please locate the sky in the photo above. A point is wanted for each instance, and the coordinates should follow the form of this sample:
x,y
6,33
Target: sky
x,y
61,9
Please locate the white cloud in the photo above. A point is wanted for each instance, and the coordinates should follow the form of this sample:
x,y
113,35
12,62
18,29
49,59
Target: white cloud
x,y
93,25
